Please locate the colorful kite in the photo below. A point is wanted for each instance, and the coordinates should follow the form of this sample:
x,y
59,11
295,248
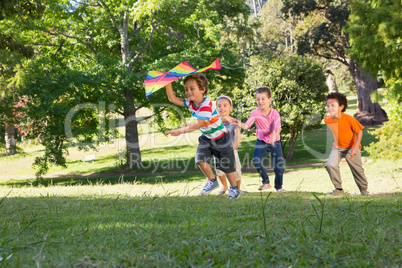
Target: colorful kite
x,y
156,80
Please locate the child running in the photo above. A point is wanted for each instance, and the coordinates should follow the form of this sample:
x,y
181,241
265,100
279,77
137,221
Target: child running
x,y
214,140
268,123
224,105
347,133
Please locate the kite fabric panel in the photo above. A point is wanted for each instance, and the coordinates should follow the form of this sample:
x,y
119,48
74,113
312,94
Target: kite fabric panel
x,y
156,80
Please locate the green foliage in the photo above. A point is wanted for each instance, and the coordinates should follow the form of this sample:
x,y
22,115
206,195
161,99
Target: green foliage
x,y
100,51
60,107
322,35
11,13
389,145
394,96
298,91
377,24
275,31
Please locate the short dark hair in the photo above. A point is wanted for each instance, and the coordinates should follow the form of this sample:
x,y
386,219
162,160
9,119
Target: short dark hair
x,y
200,79
342,100
264,90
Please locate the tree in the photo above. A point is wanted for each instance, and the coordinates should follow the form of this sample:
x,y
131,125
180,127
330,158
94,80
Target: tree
x,y
378,24
13,47
276,32
321,34
298,91
117,42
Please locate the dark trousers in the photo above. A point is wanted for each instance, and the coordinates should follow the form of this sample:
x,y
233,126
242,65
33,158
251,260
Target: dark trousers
x,y
261,149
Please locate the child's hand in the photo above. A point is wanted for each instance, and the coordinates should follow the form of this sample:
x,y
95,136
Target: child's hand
x,y
353,152
175,132
235,122
272,141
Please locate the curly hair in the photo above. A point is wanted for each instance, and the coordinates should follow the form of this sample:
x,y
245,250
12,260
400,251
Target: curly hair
x,y
200,79
342,100
264,90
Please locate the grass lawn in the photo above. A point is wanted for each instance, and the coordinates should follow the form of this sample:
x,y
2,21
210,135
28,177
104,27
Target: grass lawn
x,y
159,221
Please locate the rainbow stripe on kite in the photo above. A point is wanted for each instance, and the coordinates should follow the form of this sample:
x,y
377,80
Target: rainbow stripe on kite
x,y
156,80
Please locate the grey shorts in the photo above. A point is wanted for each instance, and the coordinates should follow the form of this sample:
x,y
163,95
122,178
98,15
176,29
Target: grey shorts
x,y
221,149
238,168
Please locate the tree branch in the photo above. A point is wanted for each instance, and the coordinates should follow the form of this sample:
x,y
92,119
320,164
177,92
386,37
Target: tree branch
x,y
340,59
71,37
137,30
142,50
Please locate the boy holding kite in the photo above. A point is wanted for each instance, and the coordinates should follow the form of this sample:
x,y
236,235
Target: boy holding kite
x,y
214,141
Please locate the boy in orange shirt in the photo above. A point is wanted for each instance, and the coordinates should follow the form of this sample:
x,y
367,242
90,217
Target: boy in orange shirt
x,y
347,134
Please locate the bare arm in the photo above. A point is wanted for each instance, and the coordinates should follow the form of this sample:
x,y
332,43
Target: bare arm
x,y
237,138
356,146
275,136
172,97
186,129
240,124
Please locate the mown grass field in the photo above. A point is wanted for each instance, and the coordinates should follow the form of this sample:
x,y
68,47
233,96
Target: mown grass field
x,y
165,223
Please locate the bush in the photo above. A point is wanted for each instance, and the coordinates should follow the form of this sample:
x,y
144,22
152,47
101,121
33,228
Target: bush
x,y
389,145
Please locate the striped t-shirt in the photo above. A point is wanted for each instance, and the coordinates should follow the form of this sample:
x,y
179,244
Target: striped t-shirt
x,y
213,127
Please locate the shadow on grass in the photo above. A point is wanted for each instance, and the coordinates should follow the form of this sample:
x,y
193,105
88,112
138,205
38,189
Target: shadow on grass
x,y
103,178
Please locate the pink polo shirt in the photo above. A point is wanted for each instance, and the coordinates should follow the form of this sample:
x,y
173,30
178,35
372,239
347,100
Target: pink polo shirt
x,y
265,124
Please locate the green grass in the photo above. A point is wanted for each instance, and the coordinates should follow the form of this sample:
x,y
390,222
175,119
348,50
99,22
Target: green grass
x,y
161,221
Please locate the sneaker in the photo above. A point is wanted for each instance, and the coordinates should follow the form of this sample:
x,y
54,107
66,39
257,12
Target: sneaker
x,y
209,186
264,186
336,192
364,193
281,190
233,193
222,192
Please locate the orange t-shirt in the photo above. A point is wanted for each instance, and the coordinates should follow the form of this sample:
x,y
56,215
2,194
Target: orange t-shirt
x,y
344,130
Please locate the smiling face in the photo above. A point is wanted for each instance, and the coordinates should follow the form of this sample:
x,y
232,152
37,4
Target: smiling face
x,y
263,101
223,107
334,109
193,92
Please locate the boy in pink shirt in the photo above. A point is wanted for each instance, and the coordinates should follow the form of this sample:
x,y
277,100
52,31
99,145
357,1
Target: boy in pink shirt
x,y
268,123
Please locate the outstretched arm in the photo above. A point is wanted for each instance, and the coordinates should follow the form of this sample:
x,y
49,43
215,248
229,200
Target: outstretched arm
x,y
187,128
240,124
172,97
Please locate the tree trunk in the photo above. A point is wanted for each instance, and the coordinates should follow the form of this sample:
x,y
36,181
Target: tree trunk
x,y
330,79
294,134
368,113
9,137
133,153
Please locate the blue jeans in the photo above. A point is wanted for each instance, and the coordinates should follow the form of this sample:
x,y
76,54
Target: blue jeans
x,y
261,149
